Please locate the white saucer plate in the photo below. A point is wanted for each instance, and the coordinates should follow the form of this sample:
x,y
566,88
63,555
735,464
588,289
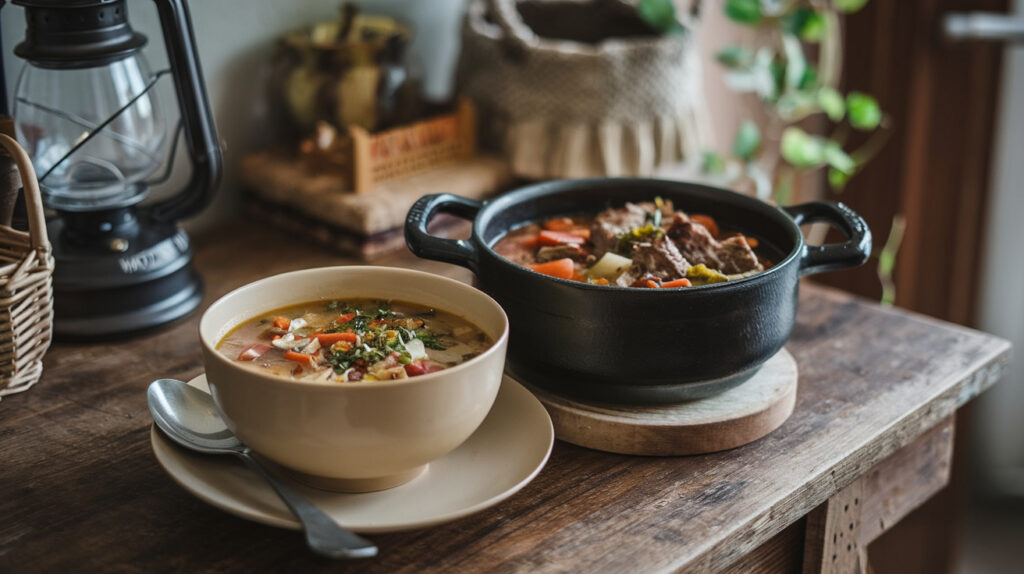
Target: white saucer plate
x,y
504,454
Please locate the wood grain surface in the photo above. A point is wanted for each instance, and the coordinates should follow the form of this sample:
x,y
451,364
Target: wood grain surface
x,y
82,492
734,418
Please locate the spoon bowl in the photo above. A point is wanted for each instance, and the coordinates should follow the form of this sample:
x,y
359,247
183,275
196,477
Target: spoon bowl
x,y
189,417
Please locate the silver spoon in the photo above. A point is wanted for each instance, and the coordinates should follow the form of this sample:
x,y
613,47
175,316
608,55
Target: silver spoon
x,y
188,416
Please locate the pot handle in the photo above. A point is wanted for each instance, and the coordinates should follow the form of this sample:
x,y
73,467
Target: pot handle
x,y
423,244
851,253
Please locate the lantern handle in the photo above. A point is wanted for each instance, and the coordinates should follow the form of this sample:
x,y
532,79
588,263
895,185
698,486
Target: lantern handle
x,y
200,130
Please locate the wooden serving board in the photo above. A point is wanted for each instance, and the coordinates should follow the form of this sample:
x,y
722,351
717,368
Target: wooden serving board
x,y
731,419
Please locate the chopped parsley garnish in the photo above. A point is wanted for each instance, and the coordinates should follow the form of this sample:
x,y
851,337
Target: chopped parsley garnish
x,y
430,340
384,310
382,332
624,242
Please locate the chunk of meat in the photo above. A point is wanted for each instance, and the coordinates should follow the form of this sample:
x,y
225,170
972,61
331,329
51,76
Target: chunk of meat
x,y
661,259
697,246
611,223
519,250
736,256
554,252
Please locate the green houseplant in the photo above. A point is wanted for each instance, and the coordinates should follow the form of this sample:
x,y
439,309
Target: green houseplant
x,y
791,68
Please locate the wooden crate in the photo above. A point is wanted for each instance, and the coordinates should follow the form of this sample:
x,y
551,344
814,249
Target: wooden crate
x,y
407,150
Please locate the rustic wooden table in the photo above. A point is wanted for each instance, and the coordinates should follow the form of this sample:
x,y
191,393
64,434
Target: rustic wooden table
x,y
870,439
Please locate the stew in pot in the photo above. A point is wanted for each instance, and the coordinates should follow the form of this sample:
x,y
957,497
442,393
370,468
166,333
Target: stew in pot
x,y
647,244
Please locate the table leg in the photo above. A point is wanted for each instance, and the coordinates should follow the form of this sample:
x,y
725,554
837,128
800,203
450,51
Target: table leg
x,y
838,532
832,539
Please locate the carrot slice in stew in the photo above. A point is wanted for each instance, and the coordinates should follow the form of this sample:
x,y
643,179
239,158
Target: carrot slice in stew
x,y
332,338
282,322
706,221
530,241
559,224
345,318
584,233
561,268
677,283
652,284
303,358
751,241
558,238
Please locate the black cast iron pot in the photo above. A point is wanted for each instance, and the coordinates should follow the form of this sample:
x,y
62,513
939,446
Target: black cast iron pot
x,y
629,345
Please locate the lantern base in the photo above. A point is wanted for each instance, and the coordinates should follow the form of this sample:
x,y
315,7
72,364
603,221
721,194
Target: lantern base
x,y
120,286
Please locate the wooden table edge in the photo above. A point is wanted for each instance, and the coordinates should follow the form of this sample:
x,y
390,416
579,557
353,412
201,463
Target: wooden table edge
x,y
723,551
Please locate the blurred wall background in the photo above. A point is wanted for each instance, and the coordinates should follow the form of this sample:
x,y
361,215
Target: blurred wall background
x,y
236,39
999,440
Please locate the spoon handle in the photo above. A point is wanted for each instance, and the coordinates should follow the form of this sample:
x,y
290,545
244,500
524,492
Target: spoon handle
x,y
323,534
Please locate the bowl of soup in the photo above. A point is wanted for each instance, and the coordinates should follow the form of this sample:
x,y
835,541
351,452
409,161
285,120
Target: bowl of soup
x,y
354,378
639,290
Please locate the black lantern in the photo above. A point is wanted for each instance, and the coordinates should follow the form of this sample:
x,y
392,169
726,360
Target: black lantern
x,y
86,111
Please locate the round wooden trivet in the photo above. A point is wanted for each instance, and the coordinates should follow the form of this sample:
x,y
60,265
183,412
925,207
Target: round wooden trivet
x,y
733,418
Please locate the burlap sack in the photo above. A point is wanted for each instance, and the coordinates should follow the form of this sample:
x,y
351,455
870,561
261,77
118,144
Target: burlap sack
x,y
562,108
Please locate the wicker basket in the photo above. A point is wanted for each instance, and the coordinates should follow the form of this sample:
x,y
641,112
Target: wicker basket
x,y
26,295
623,105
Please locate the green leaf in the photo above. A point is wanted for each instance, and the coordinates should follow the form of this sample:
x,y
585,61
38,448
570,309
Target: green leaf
x,y
659,14
813,29
849,6
796,62
837,179
804,22
839,159
801,149
810,78
761,77
744,11
863,110
777,71
713,163
748,140
775,8
831,101
795,105
733,56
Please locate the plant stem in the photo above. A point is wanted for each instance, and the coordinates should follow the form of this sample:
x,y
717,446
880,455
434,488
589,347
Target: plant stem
x,y
875,143
830,70
887,259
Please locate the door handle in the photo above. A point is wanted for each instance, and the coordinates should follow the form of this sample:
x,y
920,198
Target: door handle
x,y
984,26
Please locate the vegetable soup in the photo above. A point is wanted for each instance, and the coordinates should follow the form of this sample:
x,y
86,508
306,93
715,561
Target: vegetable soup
x,y
354,340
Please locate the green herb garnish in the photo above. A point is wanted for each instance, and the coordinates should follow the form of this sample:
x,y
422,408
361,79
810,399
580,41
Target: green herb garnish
x,y
430,340
624,242
382,332
383,310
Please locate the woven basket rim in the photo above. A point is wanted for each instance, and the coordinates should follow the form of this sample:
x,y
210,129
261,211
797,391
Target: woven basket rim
x,y
609,47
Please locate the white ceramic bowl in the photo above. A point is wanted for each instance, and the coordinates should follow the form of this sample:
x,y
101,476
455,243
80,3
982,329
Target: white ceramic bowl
x,y
354,436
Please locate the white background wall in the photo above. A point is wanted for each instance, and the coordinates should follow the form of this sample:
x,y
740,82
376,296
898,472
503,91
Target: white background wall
x,y
1000,436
